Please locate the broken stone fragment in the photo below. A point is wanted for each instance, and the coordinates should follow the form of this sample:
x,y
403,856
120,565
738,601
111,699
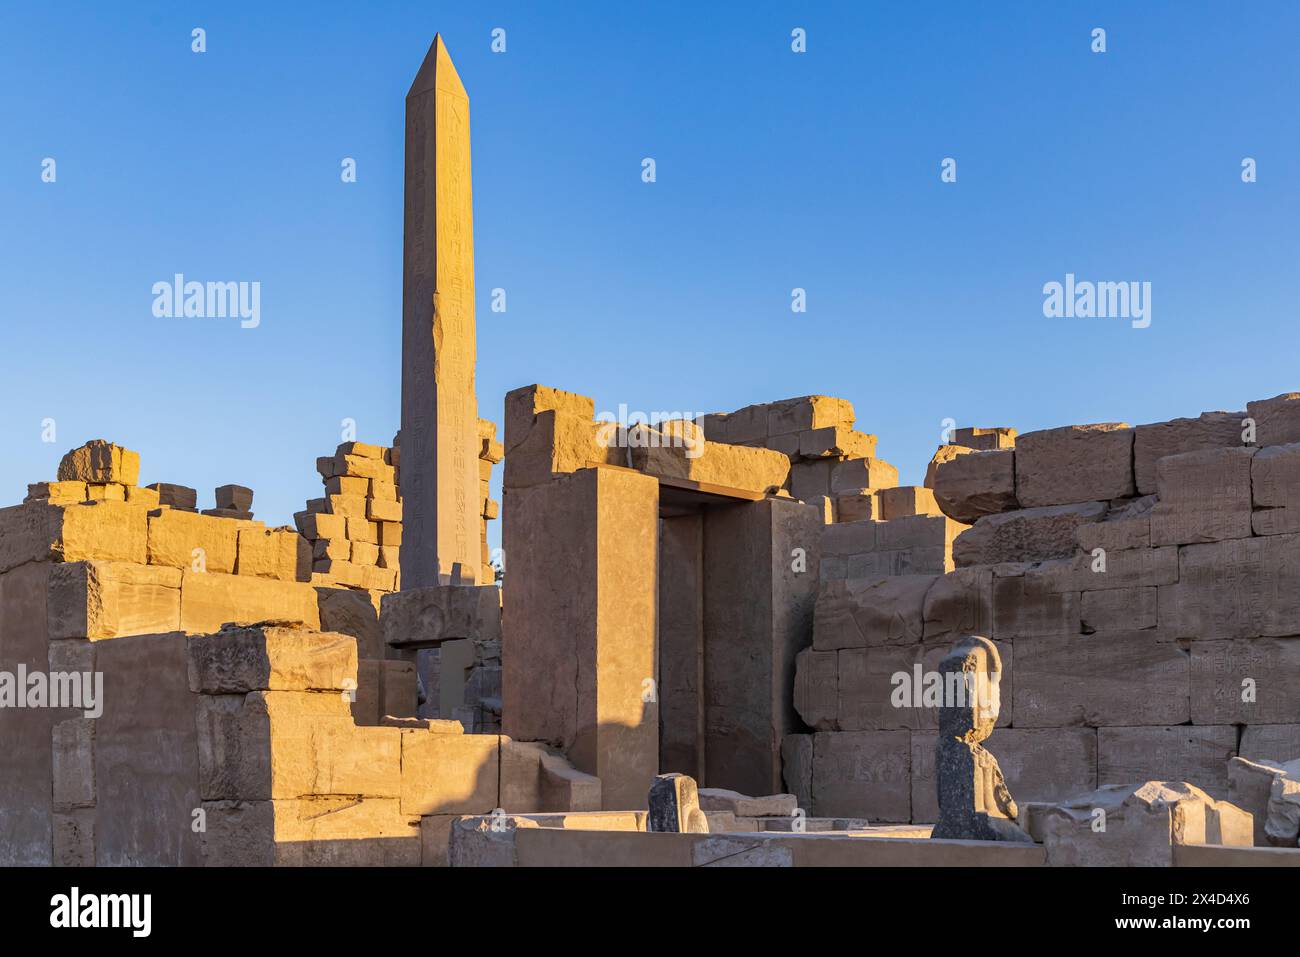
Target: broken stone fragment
x,y
1137,825
974,484
100,462
742,805
234,497
675,806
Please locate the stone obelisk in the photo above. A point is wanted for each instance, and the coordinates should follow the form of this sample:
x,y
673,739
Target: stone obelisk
x,y
440,480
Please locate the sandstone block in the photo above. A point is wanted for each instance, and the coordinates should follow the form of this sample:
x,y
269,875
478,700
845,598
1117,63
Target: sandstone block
x,y
271,657
836,442
422,617
812,478
1248,681
559,442
447,774
1143,822
1151,443
859,506
1021,610
210,600
1119,609
1234,589
353,485
237,497
1077,463
1250,785
73,744
354,613
1125,568
969,486
58,493
524,404
184,540
100,461
863,774
985,439
1092,680
332,549
1185,753
808,412
945,453
816,688
284,744
1204,496
361,529
317,525
907,500
363,553
99,600
959,603
176,496
754,469
381,510
1276,420
1275,481
1025,535
856,614
363,449
279,553
854,474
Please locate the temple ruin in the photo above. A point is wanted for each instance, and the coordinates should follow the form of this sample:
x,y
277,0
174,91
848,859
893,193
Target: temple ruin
x,y
716,640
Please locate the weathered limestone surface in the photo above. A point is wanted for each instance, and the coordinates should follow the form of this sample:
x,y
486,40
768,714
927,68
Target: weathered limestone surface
x,y
584,613
270,657
1114,679
863,774
944,453
1186,753
439,407
1076,463
861,613
985,439
1250,787
1142,824
970,486
1204,496
1276,420
98,600
1275,483
436,613
1241,588
1025,535
1248,681
753,469
210,600
1151,443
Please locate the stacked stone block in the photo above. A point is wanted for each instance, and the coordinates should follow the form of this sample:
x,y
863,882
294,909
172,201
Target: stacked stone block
x,y
1137,581
355,530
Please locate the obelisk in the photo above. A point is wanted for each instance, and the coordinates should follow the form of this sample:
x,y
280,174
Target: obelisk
x,y
440,480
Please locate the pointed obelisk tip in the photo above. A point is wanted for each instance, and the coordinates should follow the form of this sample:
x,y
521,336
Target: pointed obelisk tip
x,y
436,68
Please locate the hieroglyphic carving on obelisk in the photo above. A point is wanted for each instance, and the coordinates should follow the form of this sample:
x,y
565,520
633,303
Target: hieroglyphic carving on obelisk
x,y
440,480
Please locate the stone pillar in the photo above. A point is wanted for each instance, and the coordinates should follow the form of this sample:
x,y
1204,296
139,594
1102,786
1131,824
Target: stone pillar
x,y
440,469
681,644
579,632
760,584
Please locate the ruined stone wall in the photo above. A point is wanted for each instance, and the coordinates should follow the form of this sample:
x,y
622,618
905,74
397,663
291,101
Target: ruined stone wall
x,y
1140,584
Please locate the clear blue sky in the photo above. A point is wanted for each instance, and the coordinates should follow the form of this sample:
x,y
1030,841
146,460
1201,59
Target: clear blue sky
x,y
775,170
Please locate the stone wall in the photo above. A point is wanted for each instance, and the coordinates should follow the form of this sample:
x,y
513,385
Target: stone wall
x,y
1140,584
